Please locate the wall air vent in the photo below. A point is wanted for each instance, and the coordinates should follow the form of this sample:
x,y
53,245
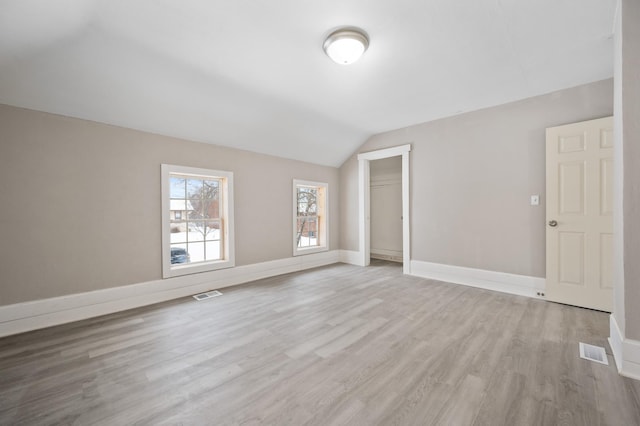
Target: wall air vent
x,y
593,353
207,295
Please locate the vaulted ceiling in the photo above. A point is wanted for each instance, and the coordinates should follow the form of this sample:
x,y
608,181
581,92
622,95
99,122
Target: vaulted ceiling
x,y
252,74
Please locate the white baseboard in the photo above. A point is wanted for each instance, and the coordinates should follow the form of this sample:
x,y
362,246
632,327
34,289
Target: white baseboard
x,y
351,257
626,352
521,285
384,254
33,315
386,257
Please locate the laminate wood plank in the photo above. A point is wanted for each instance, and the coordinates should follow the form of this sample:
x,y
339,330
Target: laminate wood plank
x,y
420,405
345,416
324,338
367,381
202,356
295,302
332,345
462,406
354,311
506,391
255,387
350,337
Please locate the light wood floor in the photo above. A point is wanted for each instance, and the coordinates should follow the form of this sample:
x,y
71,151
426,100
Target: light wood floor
x,y
334,345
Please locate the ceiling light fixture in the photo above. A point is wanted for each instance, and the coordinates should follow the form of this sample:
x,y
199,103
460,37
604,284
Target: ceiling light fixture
x,y
345,45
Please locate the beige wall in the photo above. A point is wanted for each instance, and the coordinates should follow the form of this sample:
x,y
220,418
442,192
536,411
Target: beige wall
x,y
81,199
80,203
349,205
630,102
471,179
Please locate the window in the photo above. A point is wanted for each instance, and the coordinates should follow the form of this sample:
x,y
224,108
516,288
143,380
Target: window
x,y
310,224
197,220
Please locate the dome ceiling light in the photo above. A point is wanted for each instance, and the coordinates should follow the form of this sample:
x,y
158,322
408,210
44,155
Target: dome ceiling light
x,y
345,45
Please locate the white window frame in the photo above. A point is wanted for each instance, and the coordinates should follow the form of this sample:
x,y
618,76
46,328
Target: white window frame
x,y
323,235
168,270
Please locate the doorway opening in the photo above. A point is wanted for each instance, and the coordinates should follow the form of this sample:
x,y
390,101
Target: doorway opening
x,y
386,208
364,192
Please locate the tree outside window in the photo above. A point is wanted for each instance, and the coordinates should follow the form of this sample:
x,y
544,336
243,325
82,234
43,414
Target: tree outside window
x,y
310,221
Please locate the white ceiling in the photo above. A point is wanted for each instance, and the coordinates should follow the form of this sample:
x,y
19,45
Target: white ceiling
x,y
252,74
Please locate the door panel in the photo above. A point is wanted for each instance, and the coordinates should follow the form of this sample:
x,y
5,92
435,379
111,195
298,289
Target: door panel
x,y
606,186
606,138
579,219
571,258
571,143
572,186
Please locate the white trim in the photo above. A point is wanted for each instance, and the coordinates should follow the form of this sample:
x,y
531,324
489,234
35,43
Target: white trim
x,y
169,271
385,153
387,252
615,341
324,235
406,219
521,285
397,259
626,352
351,257
364,219
384,254
364,202
27,316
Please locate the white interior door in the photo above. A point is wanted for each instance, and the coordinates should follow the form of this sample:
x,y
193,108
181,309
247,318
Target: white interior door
x,y
579,214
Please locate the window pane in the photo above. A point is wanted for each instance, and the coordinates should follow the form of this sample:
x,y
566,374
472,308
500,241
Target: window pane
x,y
210,189
178,232
178,209
179,254
197,230
196,251
307,200
177,187
312,231
212,230
205,208
302,208
194,188
307,231
212,250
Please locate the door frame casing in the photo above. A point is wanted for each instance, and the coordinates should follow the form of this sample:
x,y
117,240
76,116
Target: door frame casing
x,y
364,201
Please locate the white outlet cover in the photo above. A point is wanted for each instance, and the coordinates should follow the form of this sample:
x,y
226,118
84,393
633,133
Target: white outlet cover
x,y
535,200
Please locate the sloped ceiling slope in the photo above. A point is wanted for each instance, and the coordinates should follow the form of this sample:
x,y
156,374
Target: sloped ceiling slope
x,y
252,74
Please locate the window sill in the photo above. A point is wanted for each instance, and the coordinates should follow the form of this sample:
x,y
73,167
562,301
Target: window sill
x,y
187,269
309,250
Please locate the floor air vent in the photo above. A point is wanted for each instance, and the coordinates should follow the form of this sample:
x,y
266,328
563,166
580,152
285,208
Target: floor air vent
x,y
593,353
207,295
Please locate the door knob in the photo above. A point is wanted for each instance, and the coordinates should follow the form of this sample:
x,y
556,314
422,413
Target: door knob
x,y
553,223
